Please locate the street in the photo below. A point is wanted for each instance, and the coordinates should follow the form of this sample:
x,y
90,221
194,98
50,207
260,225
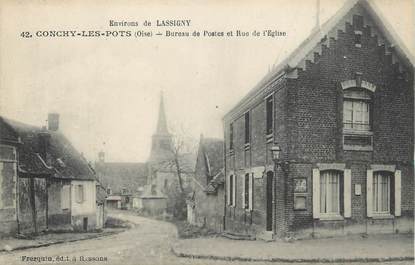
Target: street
x,y
147,243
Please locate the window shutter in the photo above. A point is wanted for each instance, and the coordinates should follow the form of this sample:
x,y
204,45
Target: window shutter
x,y
234,190
228,189
251,188
316,193
243,192
397,193
369,193
347,179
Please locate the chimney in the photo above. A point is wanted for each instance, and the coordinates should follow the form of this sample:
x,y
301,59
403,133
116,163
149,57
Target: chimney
x,y
53,121
43,144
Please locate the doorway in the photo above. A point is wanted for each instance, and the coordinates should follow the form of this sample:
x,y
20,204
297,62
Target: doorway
x,y
270,178
85,223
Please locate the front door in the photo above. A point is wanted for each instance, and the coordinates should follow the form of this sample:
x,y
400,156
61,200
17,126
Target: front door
x,y
270,177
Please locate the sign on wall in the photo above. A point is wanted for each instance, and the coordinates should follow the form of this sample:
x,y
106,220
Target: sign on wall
x,y
300,185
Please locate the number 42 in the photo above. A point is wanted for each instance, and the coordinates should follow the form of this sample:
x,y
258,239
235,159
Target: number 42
x,y
26,34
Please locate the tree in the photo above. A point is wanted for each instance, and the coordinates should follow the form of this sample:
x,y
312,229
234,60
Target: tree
x,y
180,162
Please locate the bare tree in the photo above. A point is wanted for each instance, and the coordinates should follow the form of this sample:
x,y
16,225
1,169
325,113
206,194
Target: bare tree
x,y
183,147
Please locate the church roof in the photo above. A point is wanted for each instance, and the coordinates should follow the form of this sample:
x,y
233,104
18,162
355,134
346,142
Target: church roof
x,y
117,175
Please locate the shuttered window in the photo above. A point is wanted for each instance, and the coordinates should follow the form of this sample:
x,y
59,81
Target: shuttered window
x,y
79,193
383,193
251,191
234,190
332,193
246,191
65,197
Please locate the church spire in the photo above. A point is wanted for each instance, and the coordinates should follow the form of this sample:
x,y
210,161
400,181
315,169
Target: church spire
x,y
162,142
162,122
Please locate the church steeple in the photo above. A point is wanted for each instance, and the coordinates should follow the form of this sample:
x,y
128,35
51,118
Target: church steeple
x,y
162,143
162,122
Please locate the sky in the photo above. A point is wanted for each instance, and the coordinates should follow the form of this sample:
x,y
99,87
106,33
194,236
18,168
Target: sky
x,y
107,90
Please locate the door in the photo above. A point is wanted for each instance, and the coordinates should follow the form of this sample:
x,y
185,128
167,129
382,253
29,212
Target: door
x,y
270,177
85,223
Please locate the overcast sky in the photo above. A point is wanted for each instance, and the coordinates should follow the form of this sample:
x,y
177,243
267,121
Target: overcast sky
x,y
107,90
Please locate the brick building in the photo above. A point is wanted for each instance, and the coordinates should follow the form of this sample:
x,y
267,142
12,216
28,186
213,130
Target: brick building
x,y
341,110
206,206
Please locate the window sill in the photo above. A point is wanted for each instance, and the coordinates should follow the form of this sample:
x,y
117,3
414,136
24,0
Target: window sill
x,y
357,148
382,216
354,131
331,218
300,209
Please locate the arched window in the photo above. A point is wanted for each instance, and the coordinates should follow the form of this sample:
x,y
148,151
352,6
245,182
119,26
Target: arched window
x,y
357,105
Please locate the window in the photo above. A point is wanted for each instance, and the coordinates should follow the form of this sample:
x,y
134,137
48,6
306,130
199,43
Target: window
x,y
7,153
79,193
269,115
358,22
246,192
231,190
356,110
231,136
381,192
165,144
358,39
330,192
65,197
247,130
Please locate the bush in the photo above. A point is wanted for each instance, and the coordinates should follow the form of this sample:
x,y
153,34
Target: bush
x,y
176,203
186,230
117,223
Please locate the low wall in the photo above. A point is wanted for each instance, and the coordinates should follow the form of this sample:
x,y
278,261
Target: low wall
x,y
8,222
321,229
78,222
